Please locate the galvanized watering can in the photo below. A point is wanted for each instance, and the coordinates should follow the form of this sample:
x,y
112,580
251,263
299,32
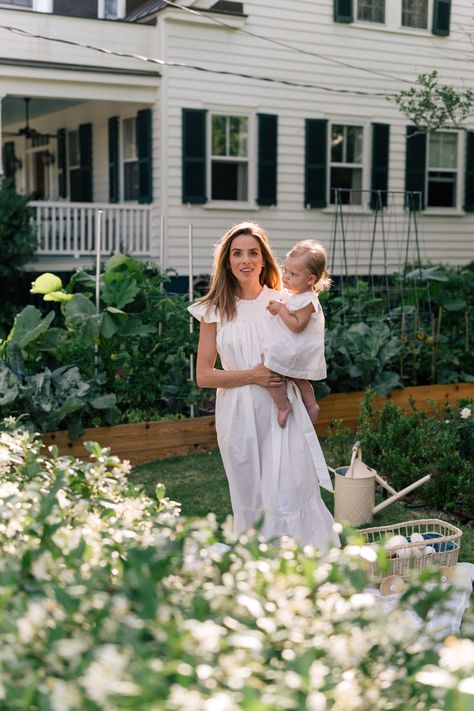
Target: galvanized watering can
x,y
354,490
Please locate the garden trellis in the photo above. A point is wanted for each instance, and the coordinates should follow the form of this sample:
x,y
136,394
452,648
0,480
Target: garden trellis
x,y
382,246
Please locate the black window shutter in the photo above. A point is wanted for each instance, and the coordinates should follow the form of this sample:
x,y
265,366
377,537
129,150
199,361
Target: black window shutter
x,y
62,163
379,177
343,11
441,17
194,156
267,159
415,166
85,151
316,140
113,159
469,179
9,160
144,150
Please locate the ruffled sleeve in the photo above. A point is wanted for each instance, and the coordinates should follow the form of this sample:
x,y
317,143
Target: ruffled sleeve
x,y
204,312
299,301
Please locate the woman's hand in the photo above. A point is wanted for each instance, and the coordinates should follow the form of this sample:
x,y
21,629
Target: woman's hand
x,y
266,378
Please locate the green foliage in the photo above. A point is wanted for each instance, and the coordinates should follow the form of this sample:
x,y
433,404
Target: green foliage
x,y
431,106
112,600
415,330
132,352
17,238
403,447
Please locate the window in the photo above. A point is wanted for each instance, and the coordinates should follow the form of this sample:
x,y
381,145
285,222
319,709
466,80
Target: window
x,y
371,10
229,157
130,159
346,163
415,14
442,169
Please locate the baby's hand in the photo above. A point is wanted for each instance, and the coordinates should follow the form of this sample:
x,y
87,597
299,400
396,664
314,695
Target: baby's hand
x,y
274,307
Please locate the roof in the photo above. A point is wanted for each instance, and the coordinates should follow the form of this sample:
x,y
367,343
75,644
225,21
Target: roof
x,y
151,7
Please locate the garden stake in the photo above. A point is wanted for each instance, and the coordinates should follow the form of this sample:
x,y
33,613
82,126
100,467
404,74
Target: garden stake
x,y
162,264
191,296
98,250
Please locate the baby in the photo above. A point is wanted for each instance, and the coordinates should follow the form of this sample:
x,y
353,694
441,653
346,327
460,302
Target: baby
x,y
296,347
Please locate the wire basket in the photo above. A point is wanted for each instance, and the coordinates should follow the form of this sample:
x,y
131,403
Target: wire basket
x,y
443,537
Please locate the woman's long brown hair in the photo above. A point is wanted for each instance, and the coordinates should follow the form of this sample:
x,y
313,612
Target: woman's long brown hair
x,y
223,284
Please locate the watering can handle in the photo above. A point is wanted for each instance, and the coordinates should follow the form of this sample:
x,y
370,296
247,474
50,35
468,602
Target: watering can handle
x,y
356,452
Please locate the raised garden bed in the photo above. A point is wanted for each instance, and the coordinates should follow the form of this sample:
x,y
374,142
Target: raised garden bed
x,y
146,441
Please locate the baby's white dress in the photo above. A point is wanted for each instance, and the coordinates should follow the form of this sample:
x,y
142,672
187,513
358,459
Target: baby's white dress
x,y
270,470
298,355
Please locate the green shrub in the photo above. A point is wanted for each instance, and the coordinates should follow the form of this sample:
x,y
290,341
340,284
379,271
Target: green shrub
x,y
112,601
403,447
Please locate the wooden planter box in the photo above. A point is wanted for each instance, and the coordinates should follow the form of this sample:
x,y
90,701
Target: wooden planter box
x,y
146,441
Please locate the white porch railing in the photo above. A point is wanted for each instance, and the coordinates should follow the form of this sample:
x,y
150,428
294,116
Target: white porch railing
x,y
70,228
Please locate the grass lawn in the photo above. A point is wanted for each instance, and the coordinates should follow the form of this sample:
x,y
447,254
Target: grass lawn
x,y
198,482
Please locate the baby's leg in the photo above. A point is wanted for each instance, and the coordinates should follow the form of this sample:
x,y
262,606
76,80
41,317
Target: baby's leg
x,y
284,406
309,399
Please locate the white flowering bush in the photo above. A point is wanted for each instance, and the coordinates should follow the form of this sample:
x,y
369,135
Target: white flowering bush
x,y
110,600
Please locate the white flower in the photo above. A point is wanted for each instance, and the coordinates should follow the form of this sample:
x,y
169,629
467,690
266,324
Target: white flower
x,y
457,655
63,697
466,686
104,677
465,413
32,623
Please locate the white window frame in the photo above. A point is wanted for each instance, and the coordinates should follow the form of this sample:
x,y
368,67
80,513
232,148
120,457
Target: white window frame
x,y
251,161
365,125
393,19
460,171
123,160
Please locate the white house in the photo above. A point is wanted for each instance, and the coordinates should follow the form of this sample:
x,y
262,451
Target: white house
x,y
271,110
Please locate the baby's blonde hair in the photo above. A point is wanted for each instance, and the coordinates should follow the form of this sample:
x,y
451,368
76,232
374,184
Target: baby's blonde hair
x,y
315,260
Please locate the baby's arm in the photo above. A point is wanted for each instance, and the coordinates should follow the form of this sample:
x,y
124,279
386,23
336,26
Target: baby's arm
x,y
297,320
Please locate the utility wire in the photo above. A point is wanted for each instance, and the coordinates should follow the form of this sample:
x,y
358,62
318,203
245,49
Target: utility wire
x,y
285,45
196,67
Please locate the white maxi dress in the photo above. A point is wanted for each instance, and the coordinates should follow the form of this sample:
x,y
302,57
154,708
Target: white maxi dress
x,y
271,470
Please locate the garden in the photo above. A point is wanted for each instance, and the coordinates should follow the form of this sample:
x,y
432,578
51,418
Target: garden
x,y
114,596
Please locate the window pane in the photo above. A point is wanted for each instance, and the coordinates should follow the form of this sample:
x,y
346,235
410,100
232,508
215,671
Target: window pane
x,y
229,180
441,189
415,13
75,188
337,138
371,10
238,136
354,144
111,9
73,148
443,150
347,179
219,135
130,181
129,139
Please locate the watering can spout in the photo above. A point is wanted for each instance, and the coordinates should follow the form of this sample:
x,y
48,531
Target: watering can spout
x,y
399,494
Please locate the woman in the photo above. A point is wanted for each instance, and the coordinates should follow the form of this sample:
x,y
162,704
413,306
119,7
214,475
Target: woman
x,y
271,471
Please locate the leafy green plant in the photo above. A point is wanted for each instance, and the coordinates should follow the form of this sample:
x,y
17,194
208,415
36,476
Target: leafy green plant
x,y
112,600
363,355
432,106
403,447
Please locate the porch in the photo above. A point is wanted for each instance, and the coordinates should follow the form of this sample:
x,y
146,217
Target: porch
x,y
69,229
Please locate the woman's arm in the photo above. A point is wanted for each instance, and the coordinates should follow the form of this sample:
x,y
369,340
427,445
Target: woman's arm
x,y
297,320
209,377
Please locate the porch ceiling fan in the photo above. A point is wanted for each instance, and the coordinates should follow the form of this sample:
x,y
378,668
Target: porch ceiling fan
x,y
28,131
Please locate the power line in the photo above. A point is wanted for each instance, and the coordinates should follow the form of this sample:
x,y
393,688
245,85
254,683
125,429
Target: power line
x,y
196,67
285,45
